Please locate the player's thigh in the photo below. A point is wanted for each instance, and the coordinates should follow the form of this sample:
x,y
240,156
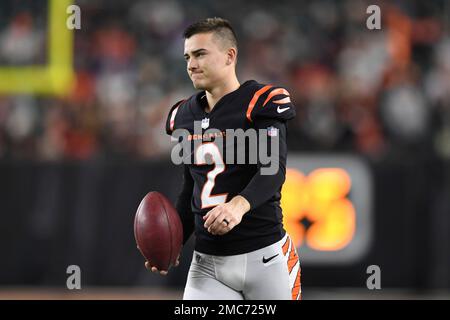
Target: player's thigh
x,y
268,282
205,288
202,283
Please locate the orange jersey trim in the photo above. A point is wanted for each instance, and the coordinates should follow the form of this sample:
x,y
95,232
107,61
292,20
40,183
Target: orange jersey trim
x,y
283,101
172,116
255,98
274,93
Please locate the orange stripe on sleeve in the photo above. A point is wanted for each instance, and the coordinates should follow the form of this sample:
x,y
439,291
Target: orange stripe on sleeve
x,y
283,101
255,98
174,113
274,93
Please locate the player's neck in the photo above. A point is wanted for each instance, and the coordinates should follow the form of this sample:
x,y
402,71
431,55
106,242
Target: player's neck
x,y
215,94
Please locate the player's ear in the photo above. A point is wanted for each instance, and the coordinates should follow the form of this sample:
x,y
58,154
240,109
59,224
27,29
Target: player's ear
x,y
232,55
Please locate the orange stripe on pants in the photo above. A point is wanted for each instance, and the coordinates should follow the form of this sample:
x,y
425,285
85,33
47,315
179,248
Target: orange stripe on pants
x,y
296,290
292,260
286,246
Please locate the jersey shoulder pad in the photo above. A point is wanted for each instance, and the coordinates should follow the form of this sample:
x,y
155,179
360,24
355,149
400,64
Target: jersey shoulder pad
x,y
170,122
270,102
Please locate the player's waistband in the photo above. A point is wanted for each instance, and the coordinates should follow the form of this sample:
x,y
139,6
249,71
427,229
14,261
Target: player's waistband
x,y
228,248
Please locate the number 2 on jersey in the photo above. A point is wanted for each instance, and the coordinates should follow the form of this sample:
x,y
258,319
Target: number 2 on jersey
x,y
207,199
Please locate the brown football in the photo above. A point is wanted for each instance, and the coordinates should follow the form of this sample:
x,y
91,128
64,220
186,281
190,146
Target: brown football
x,y
158,230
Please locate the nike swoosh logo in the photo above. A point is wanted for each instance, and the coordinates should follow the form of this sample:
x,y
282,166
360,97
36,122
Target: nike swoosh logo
x,y
268,259
281,110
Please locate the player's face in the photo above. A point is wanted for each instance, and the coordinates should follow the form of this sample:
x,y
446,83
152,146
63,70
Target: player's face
x,y
206,61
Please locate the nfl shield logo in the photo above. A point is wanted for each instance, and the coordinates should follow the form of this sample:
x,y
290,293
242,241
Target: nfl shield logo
x,y
205,123
272,131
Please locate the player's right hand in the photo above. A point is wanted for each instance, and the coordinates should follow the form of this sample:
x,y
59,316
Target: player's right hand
x,y
148,266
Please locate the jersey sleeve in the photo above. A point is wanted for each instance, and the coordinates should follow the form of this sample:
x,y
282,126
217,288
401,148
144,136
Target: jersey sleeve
x,y
183,205
170,121
264,186
270,102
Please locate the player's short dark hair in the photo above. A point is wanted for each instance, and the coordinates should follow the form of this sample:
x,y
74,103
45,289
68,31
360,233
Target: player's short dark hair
x,y
219,26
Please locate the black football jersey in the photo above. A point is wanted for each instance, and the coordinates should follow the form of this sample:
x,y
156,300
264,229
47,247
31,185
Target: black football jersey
x,y
210,178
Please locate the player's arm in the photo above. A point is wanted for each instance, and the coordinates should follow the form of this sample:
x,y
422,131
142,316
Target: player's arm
x,y
269,116
264,184
183,205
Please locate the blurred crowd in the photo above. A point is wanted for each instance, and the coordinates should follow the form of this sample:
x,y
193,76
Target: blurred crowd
x,y
372,92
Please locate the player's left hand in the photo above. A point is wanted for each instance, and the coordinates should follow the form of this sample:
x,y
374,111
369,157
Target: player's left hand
x,y
224,217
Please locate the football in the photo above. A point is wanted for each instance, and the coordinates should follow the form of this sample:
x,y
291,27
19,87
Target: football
x,y
158,230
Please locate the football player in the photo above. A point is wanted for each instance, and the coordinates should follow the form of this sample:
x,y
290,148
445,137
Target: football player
x,y
241,248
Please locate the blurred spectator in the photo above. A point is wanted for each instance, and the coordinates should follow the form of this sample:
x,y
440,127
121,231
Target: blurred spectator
x,y
20,42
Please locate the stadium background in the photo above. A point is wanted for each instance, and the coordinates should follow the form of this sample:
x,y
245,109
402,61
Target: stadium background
x,y
82,136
